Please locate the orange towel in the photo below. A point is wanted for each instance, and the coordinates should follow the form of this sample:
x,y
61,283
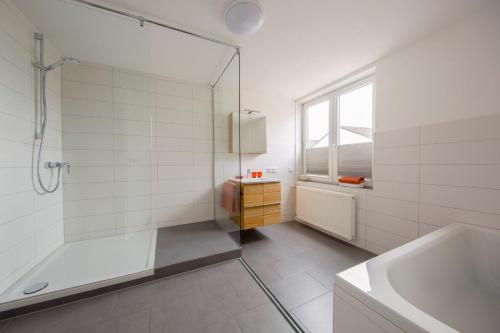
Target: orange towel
x,y
351,180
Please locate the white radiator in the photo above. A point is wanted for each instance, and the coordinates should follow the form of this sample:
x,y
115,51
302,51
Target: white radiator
x,y
333,212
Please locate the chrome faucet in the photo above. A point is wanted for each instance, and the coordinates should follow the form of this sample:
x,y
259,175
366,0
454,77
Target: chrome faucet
x,y
59,166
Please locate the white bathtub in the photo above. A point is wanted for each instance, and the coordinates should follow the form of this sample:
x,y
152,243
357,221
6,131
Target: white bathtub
x,y
85,265
446,281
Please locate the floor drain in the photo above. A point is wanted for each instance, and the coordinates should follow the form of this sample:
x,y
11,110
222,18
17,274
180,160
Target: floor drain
x,y
36,287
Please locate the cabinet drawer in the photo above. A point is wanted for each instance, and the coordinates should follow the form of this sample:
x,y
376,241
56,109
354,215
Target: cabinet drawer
x,y
272,218
253,189
253,222
251,200
270,209
274,187
253,211
272,198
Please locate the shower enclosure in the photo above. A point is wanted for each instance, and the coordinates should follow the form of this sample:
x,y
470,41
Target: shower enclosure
x,y
100,150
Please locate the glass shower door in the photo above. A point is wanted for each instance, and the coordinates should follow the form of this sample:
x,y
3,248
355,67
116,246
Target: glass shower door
x,y
227,157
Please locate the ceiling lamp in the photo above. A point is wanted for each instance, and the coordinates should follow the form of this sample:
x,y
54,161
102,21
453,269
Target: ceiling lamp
x,y
244,17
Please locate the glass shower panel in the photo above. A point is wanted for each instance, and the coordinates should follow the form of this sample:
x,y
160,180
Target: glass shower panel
x,y
227,157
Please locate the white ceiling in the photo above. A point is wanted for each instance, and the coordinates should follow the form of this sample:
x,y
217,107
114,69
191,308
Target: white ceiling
x,y
303,44
95,36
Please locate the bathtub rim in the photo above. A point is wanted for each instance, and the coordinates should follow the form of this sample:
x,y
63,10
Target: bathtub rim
x,y
369,282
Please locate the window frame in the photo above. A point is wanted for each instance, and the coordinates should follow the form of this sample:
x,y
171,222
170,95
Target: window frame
x,y
334,126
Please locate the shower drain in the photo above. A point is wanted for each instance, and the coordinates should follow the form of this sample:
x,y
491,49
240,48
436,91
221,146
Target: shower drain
x,y
36,287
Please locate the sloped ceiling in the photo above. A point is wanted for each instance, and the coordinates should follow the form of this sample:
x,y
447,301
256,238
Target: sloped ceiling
x,y
305,44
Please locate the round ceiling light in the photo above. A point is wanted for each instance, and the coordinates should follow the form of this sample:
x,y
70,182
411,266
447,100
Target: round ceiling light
x,y
244,17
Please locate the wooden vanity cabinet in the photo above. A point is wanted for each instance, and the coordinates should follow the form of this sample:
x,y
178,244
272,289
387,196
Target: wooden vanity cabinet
x,y
261,204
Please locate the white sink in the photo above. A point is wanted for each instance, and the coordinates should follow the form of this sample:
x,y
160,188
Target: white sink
x,y
257,180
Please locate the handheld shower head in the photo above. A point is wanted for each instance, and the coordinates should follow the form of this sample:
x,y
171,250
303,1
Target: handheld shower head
x,y
62,61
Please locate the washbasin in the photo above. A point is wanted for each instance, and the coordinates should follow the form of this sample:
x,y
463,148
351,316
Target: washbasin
x,y
257,180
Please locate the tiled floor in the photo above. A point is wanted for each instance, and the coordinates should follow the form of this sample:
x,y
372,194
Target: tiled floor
x,y
222,298
190,246
298,264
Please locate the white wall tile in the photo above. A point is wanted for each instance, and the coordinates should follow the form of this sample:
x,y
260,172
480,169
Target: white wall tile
x,y
72,89
14,78
134,112
473,152
175,158
481,200
481,128
173,144
88,141
398,208
130,127
85,107
202,106
132,81
480,176
174,102
399,137
15,104
394,190
175,117
87,73
133,142
175,131
397,155
86,224
133,97
395,225
90,174
442,216
384,239
14,232
82,157
202,93
88,207
175,88
396,173
78,124
79,191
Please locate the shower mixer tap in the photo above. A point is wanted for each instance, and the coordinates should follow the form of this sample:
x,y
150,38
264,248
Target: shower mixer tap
x,y
59,166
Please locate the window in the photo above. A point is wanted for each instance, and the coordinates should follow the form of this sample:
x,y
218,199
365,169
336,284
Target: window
x,y
338,133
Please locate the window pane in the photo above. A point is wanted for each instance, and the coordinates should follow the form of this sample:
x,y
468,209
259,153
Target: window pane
x,y
355,132
318,125
355,116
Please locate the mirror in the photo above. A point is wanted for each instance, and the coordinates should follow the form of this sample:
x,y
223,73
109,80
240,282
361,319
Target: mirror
x,y
253,133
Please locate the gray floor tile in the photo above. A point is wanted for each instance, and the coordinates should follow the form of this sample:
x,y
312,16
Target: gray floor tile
x,y
324,275
296,290
54,320
263,319
227,326
196,311
131,323
317,315
249,292
303,273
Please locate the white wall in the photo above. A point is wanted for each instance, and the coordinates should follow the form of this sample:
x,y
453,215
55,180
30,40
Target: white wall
x,y
141,150
31,226
280,113
436,143
453,74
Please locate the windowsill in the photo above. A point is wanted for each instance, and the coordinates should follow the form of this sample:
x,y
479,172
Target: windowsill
x,y
331,186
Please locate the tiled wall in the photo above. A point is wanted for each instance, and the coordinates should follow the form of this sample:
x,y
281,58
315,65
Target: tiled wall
x,y
141,150
428,177
31,226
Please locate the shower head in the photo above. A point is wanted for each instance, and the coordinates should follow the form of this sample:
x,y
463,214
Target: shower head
x,y
62,61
